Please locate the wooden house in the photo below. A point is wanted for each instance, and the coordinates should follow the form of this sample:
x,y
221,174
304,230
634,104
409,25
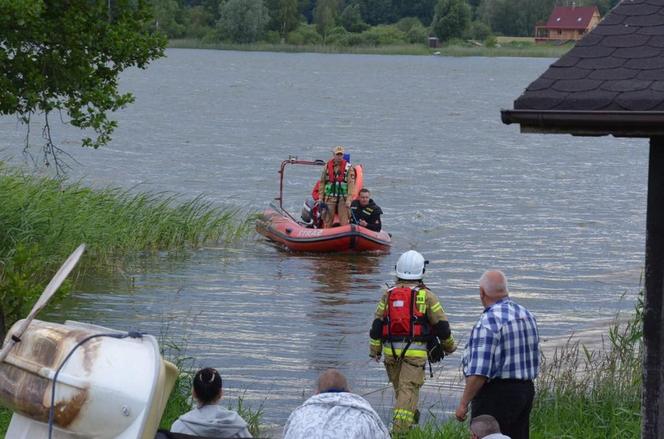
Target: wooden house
x,y
568,23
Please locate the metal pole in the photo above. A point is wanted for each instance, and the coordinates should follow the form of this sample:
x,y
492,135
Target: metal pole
x,y
653,359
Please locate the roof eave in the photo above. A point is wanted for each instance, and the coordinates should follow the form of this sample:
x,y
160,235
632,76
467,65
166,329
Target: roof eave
x,y
588,123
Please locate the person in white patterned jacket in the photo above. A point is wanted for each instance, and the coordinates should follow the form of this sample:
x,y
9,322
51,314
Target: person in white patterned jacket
x,y
335,413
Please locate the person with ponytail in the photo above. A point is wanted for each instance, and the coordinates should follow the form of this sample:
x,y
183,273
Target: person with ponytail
x,y
209,419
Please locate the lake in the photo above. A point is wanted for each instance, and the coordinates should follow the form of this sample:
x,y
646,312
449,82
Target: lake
x,y
564,217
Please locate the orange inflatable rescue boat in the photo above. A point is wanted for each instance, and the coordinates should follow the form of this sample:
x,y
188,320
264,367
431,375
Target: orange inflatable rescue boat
x,y
282,228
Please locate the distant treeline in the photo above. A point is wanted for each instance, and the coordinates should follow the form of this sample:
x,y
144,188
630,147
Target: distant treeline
x,y
353,22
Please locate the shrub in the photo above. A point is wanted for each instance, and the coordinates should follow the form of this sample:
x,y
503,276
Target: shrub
x,y
336,36
272,37
351,19
417,34
383,35
407,23
478,31
304,34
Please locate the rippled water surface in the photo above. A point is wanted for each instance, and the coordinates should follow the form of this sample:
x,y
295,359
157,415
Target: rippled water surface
x,y
564,217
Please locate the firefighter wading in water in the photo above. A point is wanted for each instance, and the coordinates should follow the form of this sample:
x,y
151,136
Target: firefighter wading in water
x,y
336,182
409,324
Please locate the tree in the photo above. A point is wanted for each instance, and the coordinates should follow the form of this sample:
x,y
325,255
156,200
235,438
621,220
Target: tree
x,y
422,9
286,16
451,19
66,56
242,21
168,18
377,11
351,19
325,16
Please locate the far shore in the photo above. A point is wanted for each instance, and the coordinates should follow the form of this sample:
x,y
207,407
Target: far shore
x,y
507,48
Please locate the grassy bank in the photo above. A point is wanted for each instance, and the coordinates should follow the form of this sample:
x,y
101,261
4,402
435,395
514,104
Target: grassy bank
x,y
42,220
509,49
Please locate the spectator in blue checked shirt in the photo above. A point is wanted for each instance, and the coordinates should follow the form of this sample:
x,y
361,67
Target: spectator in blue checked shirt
x,y
501,360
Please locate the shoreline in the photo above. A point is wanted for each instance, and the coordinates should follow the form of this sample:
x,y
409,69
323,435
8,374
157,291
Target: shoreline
x,y
518,50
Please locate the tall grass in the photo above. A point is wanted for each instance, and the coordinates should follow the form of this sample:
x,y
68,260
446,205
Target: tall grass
x,y
113,221
593,393
42,220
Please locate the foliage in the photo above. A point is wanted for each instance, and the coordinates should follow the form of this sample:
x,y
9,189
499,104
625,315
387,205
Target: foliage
x,y
422,9
514,17
325,16
417,35
451,19
351,19
593,393
199,22
407,23
42,220
304,35
376,12
168,18
284,15
504,17
415,31
242,21
5,418
478,31
67,55
383,35
337,36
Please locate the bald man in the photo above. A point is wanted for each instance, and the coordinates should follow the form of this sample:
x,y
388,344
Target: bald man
x,y
331,381
501,360
485,427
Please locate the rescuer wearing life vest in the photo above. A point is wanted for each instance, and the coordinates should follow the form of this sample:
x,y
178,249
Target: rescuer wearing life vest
x,y
409,326
336,183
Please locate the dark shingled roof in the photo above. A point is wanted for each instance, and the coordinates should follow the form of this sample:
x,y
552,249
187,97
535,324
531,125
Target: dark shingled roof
x,y
565,17
616,71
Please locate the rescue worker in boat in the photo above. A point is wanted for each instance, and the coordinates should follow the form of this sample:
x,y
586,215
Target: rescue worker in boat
x,y
410,326
365,212
336,183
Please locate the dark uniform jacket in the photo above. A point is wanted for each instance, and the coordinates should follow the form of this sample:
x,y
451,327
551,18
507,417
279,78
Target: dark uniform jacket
x,y
371,214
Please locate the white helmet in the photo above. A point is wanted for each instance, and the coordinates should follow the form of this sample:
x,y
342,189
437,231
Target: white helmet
x,y
410,266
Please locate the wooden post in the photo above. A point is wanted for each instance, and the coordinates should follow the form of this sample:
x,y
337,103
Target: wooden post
x,y
653,358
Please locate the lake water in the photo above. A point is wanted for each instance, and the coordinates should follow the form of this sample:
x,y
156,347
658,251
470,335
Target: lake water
x,y
564,217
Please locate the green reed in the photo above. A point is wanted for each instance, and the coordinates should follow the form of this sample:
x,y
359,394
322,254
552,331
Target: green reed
x,y
593,393
42,220
59,216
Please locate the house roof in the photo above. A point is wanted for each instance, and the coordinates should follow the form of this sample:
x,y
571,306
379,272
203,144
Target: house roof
x,y
616,72
565,17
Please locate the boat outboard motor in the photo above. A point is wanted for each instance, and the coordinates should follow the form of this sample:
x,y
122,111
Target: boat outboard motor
x,y
308,212
112,386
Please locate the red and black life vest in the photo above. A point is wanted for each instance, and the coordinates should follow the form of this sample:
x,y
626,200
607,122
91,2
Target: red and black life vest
x,y
404,318
340,177
337,184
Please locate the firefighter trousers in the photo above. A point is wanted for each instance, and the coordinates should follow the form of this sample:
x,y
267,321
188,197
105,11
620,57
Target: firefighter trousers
x,y
335,205
406,376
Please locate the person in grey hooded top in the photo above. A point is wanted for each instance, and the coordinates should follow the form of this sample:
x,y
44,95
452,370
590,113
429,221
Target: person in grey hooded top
x,y
334,413
210,419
